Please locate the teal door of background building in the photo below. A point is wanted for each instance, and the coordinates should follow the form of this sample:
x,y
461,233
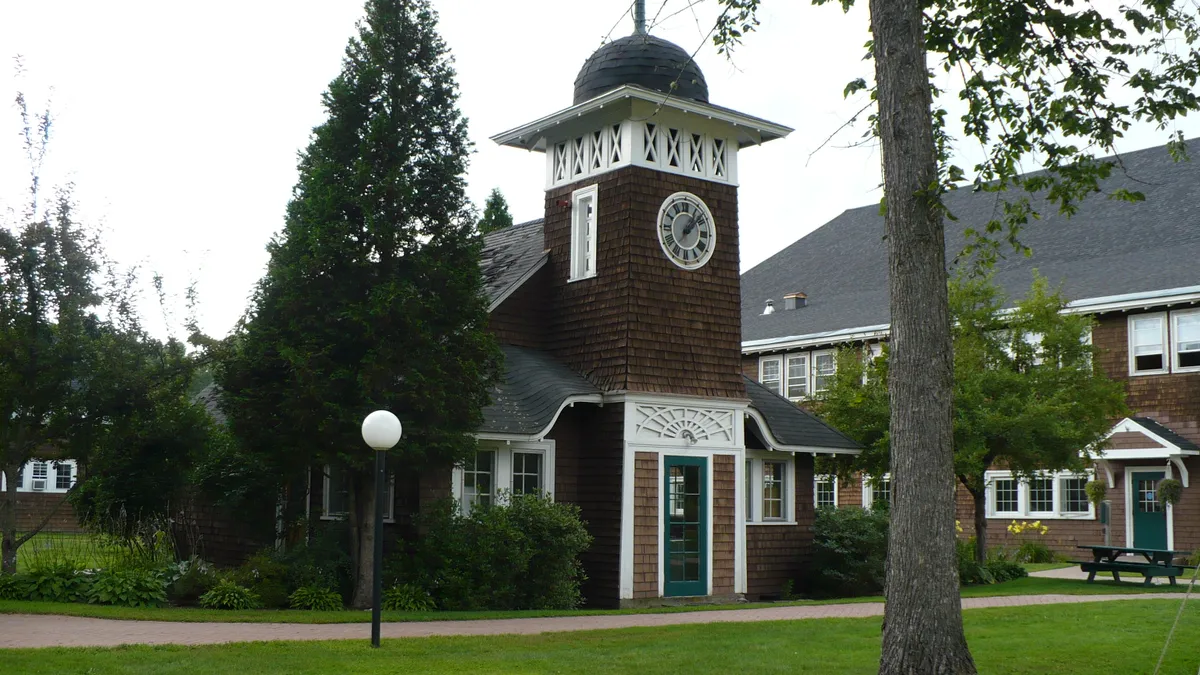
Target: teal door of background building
x,y
685,514
1149,515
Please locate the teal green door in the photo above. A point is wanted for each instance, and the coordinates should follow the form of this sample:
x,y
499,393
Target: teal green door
x,y
1149,516
685,526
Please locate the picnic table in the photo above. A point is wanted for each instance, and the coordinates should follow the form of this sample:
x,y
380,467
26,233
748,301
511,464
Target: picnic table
x,y
1157,562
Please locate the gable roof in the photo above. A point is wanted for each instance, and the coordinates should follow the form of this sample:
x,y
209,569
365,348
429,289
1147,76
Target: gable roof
x,y
1108,248
510,256
790,427
532,392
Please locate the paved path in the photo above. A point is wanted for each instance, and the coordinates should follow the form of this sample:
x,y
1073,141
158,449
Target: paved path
x,y
24,630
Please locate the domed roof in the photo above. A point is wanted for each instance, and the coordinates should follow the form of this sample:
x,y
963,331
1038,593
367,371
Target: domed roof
x,y
643,60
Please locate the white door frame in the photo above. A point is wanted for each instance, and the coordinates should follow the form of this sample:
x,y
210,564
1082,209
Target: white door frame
x,y
1129,504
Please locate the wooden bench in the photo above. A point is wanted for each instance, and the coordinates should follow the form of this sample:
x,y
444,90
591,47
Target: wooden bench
x,y
1157,563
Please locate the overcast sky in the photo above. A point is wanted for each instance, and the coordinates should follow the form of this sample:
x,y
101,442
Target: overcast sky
x,y
179,123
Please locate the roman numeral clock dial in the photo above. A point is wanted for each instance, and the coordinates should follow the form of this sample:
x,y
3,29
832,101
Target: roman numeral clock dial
x,y
685,230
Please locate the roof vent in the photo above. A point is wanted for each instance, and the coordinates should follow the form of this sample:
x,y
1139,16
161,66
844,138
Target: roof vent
x,y
794,300
770,308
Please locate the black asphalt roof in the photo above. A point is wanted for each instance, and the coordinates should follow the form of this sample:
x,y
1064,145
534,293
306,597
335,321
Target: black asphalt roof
x,y
1108,248
1172,437
793,425
509,254
532,391
645,60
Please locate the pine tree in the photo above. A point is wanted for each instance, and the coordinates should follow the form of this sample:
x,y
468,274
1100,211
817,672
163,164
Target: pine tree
x,y
495,213
373,295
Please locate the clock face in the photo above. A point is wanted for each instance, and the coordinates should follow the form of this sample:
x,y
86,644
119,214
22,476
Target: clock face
x,y
686,231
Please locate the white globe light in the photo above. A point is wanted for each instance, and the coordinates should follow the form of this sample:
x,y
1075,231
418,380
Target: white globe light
x,y
381,430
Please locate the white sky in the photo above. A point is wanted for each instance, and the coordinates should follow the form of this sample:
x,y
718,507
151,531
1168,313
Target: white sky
x,y
179,123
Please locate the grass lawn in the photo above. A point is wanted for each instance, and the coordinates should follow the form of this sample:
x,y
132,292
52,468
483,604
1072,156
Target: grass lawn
x,y
1121,637
1027,586
1042,567
85,551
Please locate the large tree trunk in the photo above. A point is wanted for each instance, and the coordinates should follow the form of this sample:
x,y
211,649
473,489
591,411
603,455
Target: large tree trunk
x,y
8,521
923,633
362,535
981,543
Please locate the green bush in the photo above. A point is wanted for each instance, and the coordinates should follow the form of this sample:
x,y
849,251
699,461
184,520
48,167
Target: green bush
x,y
408,598
849,552
1005,570
13,587
189,579
521,554
323,561
131,587
316,598
59,582
265,576
1034,552
229,595
998,568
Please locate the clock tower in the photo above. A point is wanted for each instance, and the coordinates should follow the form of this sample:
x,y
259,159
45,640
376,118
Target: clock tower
x,y
642,297
641,222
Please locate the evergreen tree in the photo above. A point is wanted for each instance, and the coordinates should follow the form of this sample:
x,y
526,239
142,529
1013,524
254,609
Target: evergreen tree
x,y
495,213
373,295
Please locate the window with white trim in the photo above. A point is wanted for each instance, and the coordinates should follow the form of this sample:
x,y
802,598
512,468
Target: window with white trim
x,y
825,492
769,477
44,476
770,373
824,366
1058,495
1185,340
335,500
1147,343
497,469
876,490
583,233
797,376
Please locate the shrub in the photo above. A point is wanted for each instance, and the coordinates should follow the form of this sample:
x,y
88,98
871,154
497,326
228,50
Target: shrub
x,y
13,587
1002,570
998,568
316,598
521,554
1170,491
323,561
229,595
189,579
408,598
131,587
849,552
1034,552
265,576
59,582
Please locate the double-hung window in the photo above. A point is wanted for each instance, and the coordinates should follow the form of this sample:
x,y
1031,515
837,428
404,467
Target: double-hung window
x,y
797,376
825,492
43,476
496,470
824,365
877,490
770,373
583,233
1046,495
336,495
1185,340
1147,344
768,489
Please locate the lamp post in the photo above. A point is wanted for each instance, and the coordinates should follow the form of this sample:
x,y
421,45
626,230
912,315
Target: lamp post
x,y
381,430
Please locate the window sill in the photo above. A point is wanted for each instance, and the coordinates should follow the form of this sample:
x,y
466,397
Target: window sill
x,y
1139,373
572,280
1040,516
342,516
770,522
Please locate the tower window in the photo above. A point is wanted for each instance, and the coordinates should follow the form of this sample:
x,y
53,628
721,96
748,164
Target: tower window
x,y
583,233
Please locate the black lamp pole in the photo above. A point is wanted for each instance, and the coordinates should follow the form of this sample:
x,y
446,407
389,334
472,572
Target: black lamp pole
x,y
377,591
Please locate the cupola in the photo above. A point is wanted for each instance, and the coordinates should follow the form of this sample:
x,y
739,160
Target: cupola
x,y
645,61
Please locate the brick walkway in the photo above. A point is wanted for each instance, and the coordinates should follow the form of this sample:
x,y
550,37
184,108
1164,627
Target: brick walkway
x,y
24,630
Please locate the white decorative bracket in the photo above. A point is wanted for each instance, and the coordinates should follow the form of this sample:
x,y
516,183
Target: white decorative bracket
x,y
1108,472
1183,472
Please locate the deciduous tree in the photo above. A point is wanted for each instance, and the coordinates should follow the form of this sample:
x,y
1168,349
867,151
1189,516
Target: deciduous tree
x,y
373,295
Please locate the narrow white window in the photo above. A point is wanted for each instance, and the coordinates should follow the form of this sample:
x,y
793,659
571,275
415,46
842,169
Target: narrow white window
x,y
527,473
583,233
479,486
1185,340
40,474
824,368
877,490
1147,342
825,492
797,376
64,476
774,490
1005,497
650,143
596,150
769,374
578,158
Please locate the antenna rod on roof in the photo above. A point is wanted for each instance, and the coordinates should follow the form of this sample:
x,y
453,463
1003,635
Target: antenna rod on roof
x,y
639,17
